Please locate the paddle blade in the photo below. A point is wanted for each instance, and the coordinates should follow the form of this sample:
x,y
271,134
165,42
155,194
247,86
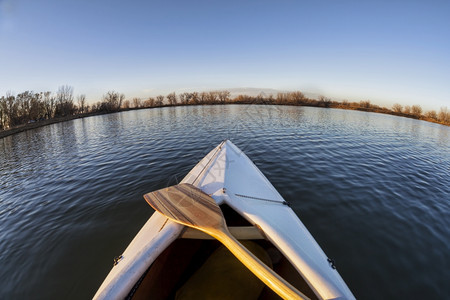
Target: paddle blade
x,y
187,205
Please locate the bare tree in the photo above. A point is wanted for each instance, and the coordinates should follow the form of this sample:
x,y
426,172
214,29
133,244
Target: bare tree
x,y
36,107
212,97
150,102
203,97
12,109
24,100
159,100
223,96
126,104
195,98
365,104
64,101
397,108
3,113
432,115
186,98
444,115
296,97
182,98
283,98
325,101
137,102
407,109
172,98
82,103
112,101
49,105
416,110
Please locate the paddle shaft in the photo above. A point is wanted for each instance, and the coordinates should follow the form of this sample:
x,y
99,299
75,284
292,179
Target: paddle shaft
x,y
280,286
190,206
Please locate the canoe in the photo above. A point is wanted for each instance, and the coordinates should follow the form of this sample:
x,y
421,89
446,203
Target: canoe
x,y
167,260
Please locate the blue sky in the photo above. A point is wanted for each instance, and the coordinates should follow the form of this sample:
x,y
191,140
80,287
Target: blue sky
x,y
384,51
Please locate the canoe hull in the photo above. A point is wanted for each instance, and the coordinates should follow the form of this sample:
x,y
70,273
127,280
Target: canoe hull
x,y
230,177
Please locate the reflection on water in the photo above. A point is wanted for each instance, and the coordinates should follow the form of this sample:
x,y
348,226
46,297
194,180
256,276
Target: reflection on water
x,y
372,189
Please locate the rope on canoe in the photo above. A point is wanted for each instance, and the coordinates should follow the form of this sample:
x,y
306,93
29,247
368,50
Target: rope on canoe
x,y
263,199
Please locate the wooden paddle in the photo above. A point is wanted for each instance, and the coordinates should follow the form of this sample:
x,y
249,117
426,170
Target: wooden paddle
x,y
190,206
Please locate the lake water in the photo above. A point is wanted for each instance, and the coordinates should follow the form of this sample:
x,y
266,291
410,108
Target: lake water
x,y
374,190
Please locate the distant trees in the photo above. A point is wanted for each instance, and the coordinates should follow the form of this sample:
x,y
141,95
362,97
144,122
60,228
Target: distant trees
x,y
159,100
25,107
212,97
444,116
282,98
150,102
112,101
195,99
137,102
365,104
64,101
184,99
299,97
397,108
223,96
202,97
126,104
172,98
416,111
245,99
407,109
82,103
324,101
431,115
28,106
5,111
294,98
49,105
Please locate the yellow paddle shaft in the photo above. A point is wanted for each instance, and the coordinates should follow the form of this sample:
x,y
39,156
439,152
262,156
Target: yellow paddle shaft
x,y
280,286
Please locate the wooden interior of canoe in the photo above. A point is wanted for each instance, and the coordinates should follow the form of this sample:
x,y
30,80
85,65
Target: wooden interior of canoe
x,y
184,257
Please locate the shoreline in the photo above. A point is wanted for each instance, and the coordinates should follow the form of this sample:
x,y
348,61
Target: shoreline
x,y
37,124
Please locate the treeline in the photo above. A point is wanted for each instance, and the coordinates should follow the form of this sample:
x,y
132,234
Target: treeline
x,y
290,98
31,107
172,99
